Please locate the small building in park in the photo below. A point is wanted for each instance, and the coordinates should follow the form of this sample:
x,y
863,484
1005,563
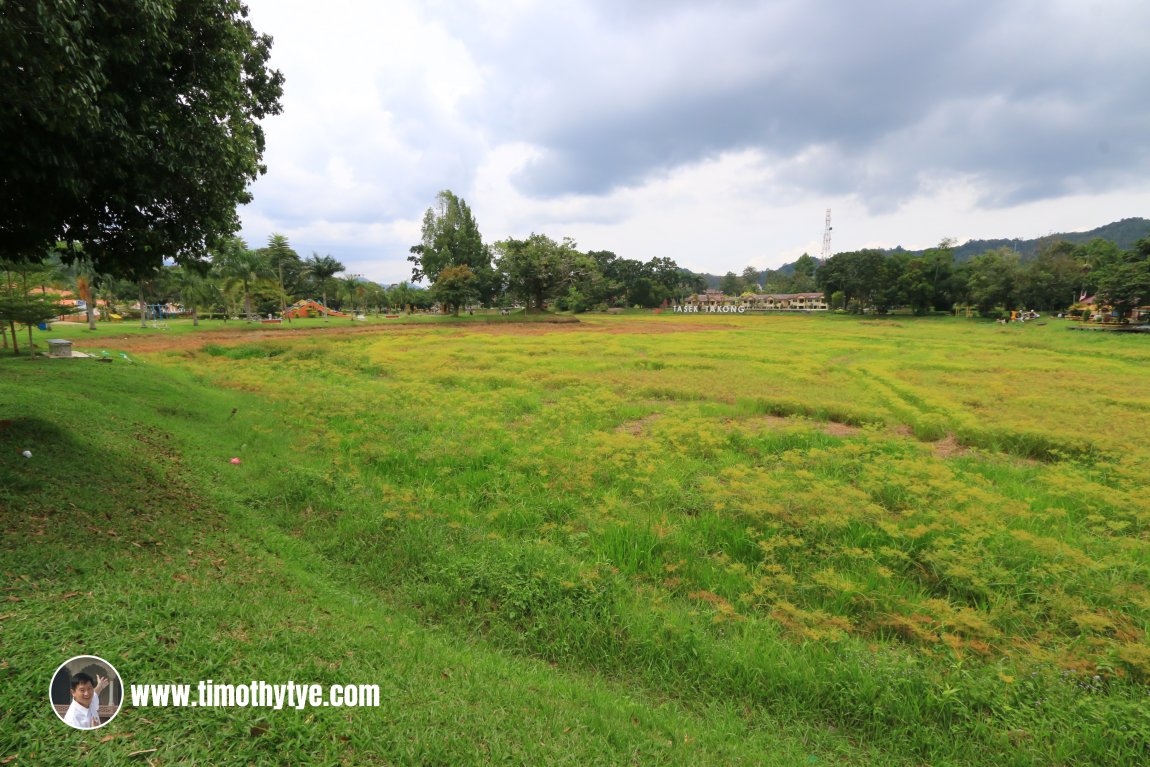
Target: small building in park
x,y
712,298
1088,309
787,302
78,309
762,302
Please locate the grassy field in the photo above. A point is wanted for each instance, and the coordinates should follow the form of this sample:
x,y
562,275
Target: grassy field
x,y
650,539
131,328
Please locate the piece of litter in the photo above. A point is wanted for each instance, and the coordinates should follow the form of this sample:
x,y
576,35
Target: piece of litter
x,y
236,460
27,454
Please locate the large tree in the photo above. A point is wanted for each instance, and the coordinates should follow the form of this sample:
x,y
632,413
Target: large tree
x,y
1125,284
538,268
890,289
802,277
732,284
938,263
455,288
130,126
1051,280
992,280
915,287
674,283
606,284
450,237
1095,256
858,274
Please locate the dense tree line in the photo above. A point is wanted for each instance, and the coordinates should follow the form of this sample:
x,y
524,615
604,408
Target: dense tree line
x,y
994,282
798,277
539,271
238,281
536,271
235,280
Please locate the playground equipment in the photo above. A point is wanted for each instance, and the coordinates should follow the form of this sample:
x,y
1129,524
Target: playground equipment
x,y
156,315
311,308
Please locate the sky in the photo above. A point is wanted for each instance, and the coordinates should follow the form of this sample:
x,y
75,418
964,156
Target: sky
x,y
714,133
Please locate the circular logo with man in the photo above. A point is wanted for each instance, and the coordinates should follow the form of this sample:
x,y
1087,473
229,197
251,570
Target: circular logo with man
x,y
86,692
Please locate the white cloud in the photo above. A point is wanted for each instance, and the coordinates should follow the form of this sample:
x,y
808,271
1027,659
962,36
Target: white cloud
x,y
715,133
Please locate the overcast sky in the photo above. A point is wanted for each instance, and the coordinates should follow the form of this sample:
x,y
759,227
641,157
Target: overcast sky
x,y
715,133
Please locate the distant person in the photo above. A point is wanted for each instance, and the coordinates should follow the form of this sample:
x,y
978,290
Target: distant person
x,y
84,712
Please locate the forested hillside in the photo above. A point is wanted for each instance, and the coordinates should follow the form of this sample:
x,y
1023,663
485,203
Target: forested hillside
x,y
1123,233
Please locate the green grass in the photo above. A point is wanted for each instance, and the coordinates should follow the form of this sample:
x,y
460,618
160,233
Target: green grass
x,y
648,538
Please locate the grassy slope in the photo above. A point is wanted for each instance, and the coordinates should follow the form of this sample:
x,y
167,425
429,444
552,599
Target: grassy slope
x,y
126,536
629,507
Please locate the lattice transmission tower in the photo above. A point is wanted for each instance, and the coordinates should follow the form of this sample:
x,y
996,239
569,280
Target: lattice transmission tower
x,y
827,238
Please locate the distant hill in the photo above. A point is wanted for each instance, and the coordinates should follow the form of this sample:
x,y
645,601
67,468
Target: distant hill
x,y
1122,233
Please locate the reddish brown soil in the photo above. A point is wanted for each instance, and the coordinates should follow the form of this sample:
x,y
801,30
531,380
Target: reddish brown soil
x,y
948,447
166,342
836,429
637,428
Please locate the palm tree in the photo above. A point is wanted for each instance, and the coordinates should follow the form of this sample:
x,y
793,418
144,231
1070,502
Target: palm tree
x,y
238,265
285,265
352,287
322,269
400,296
194,290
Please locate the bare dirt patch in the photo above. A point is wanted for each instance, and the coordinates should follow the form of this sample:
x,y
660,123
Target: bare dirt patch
x,y
766,422
638,427
836,429
949,447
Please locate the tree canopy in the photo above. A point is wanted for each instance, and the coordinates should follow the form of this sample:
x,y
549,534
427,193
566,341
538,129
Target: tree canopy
x,y
238,265
857,274
1124,283
321,269
539,268
130,126
455,287
450,238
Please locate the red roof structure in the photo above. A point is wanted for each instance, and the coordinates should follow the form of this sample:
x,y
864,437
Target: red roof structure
x,y
311,308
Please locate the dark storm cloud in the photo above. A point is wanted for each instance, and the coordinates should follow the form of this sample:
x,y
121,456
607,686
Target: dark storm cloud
x,y
1030,100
